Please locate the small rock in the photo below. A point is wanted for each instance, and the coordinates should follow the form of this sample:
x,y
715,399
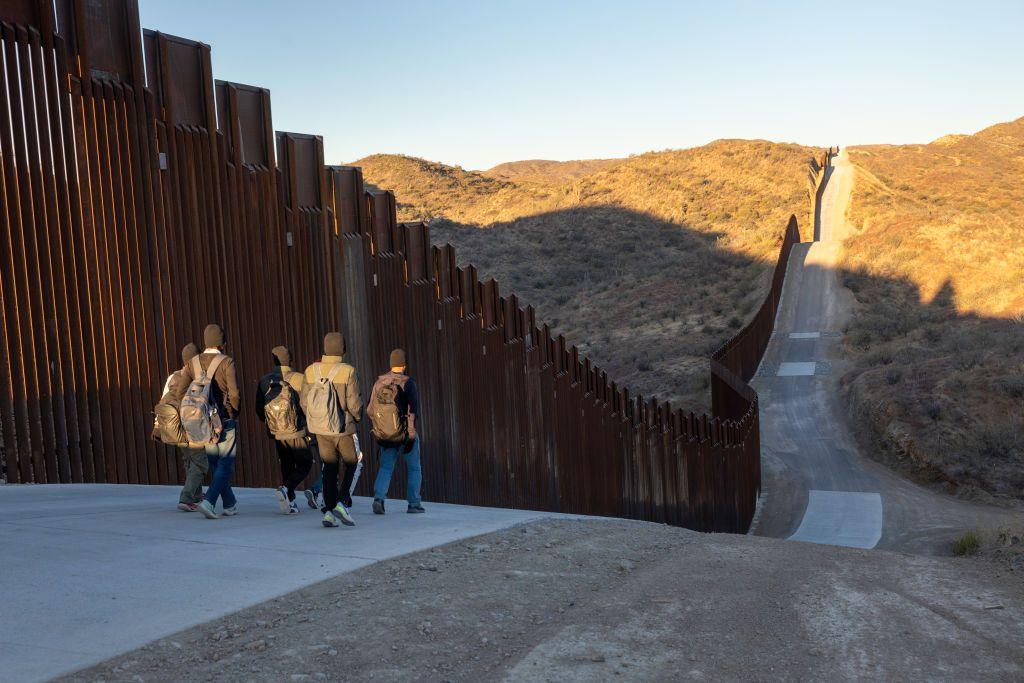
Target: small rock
x,y
597,657
258,645
626,566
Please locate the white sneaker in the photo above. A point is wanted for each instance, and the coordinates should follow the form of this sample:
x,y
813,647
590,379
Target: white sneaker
x,y
341,512
207,510
281,493
293,508
329,520
231,511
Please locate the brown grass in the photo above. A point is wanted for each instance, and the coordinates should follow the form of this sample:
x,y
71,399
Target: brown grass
x,y
938,268
647,264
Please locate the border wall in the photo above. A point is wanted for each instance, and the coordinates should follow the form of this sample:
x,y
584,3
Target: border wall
x,y
141,199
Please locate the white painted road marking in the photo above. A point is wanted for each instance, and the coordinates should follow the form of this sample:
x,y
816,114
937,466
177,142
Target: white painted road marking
x,y
796,369
846,518
804,335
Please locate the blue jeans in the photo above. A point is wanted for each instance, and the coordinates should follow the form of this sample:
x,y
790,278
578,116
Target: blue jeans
x,y
414,473
221,456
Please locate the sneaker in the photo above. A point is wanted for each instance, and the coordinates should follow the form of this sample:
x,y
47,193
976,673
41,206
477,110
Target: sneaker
x,y
281,493
311,499
342,513
415,509
329,520
187,507
231,511
347,502
378,506
293,508
207,510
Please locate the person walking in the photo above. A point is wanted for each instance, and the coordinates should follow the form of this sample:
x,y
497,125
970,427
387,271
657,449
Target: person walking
x,y
209,412
394,406
167,428
333,406
278,406
348,485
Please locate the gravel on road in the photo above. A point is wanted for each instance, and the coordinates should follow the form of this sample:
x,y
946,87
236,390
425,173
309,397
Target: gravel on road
x,y
584,600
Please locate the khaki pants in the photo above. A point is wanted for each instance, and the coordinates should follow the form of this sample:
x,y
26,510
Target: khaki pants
x,y
196,467
333,448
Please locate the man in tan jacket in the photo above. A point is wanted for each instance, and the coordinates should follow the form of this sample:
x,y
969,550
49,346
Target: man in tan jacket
x,y
334,446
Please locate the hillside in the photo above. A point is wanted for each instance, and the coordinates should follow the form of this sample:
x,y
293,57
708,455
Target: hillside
x,y
547,172
937,266
647,265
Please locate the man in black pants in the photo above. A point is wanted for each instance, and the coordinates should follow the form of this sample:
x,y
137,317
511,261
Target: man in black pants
x,y
333,406
278,406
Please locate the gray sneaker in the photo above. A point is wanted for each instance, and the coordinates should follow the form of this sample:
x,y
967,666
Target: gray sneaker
x,y
378,506
415,509
281,493
311,499
342,513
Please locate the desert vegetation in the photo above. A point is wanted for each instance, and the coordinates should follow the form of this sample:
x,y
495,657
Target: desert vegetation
x,y
647,263
937,268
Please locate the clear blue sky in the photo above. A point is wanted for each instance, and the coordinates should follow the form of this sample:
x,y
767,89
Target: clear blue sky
x,y
479,82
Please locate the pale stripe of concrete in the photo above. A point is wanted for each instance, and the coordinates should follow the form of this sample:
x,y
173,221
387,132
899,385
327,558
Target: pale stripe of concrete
x,y
796,369
847,518
804,335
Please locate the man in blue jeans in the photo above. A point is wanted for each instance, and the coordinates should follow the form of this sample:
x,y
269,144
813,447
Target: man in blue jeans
x,y
225,396
395,395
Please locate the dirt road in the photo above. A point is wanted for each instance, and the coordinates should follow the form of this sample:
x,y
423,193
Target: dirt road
x,y
615,600
818,486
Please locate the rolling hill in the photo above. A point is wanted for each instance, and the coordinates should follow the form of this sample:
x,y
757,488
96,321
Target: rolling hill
x,y
646,263
547,172
937,266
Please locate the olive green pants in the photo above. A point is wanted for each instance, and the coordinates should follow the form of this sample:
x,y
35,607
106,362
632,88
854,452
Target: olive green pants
x,y
196,467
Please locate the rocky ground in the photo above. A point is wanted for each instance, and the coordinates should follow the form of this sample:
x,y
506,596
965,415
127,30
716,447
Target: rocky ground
x,y
616,600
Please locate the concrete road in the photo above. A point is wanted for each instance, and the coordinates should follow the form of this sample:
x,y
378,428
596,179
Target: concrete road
x,y
90,571
818,487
